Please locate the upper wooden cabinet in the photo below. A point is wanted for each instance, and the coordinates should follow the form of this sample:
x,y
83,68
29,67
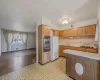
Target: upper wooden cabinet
x,y
72,32
91,30
56,33
68,33
81,31
46,30
62,33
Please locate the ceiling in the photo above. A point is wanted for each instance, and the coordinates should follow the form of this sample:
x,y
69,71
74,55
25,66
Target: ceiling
x,y
22,15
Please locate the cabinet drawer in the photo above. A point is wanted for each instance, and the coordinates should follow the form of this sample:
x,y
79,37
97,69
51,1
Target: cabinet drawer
x,y
81,49
92,50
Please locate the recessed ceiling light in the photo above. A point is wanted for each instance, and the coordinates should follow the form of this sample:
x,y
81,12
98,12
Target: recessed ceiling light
x,y
64,20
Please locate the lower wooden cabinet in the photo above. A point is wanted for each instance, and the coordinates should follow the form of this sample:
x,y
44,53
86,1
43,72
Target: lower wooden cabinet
x,y
46,57
62,48
92,50
61,51
91,68
78,48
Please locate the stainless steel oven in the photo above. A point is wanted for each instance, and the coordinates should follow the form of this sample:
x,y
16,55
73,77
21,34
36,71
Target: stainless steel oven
x,y
46,43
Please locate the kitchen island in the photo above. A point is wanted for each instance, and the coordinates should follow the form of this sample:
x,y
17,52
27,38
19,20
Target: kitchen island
x,y
82,65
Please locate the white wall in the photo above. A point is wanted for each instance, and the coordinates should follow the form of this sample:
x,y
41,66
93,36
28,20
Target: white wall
x,y
0,41
30,43
3,43
99,24
49,23
15,47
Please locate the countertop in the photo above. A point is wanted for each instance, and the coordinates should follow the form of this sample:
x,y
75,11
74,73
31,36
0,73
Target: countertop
x,y
83,54
77,45
74,45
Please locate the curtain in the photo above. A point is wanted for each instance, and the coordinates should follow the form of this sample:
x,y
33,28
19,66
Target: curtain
x,y
24,38
11,35
5,32
8,37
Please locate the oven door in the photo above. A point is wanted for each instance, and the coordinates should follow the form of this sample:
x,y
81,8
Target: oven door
x,y
46,43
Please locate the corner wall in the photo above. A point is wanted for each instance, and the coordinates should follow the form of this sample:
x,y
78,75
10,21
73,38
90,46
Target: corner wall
x,y
0,41
31,41
99,24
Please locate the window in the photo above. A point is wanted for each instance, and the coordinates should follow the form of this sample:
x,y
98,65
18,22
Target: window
x,y
17,39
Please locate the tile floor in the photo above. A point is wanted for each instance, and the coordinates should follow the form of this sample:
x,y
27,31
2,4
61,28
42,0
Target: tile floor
x,y
51,71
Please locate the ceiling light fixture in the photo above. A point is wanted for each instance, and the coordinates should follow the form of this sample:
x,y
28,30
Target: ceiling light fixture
x,y
64,20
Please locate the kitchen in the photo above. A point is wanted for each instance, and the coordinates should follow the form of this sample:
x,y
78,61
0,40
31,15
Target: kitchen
x,y
67,38
79,39
62,43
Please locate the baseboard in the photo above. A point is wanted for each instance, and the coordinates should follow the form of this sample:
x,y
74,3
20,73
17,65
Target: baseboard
x,y
20,50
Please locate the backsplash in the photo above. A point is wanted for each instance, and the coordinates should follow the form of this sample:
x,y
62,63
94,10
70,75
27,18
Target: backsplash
x,y
78,41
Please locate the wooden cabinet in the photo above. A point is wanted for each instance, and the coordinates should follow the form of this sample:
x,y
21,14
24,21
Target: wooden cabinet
x,y
46,57
80,49
90,30
68,33
46,30
91,67
61,51
72,32
62,33
73,48
81,31
62,48
77,48
56,32
91,50
43,57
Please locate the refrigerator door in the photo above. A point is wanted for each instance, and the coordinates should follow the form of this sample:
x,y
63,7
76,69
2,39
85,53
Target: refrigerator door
x,y
54,48
55,40
55,52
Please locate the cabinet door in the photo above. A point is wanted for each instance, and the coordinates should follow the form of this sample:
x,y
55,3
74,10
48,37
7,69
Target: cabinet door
x,y
92,50
68,32
81,31
80,49
46,30
46,57
73,48
91,30
62,33
71,32
61,52
56,33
